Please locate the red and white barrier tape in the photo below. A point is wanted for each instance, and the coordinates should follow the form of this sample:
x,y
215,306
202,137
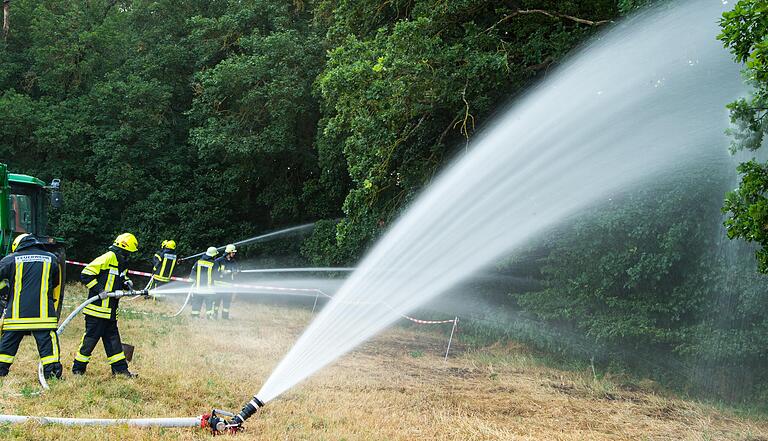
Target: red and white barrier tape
x,y
184,279
428,322
279,288
137,273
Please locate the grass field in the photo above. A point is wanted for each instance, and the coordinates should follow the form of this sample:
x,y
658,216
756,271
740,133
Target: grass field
x,y
395,387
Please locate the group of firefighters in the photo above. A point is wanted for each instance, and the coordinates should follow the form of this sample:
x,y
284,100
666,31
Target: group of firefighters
x,y
32,276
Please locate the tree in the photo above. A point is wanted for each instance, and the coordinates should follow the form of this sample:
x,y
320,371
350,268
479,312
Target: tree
x,y
745,33
407,84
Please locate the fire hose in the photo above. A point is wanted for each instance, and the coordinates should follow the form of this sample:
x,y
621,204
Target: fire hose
x,y
114,295
218,421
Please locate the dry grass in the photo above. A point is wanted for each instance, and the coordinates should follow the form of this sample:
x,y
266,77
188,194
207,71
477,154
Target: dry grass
x,y
395,387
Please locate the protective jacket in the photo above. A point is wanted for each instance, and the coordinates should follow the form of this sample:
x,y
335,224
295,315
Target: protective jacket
x,y
226,269
105,273
163,264
202,272
34,277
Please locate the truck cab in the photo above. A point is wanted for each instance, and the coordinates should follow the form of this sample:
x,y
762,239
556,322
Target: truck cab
x,y
24,205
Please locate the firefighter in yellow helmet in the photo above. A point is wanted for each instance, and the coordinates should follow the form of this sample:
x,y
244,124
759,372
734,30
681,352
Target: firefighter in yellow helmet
x,y
163,264
107,272
203,277
34,276
226,267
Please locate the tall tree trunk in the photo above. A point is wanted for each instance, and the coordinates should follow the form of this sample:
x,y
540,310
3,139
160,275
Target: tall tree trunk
x,y
6,17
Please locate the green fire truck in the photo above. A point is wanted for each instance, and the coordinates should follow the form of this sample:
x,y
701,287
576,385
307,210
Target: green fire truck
x,y
25,210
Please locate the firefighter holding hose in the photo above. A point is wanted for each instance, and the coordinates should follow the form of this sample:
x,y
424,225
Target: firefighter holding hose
x,y
34,278
226,266
106,273
163,263
203,276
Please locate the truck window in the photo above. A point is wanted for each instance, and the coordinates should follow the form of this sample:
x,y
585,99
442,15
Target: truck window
x,y
22,213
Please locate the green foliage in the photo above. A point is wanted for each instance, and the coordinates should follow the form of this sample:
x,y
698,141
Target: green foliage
x,y
406,84
745,33
212,120
123,100
648,280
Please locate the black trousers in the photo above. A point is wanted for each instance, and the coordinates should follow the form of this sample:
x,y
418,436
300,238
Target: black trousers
x,y
223,302
47,347
197,303
105,330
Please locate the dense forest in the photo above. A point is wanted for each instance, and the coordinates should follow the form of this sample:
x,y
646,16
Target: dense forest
x,y
209,121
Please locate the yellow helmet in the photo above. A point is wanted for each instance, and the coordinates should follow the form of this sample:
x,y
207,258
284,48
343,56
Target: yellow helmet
x,y
127,242
211,252
170,244
18,240
230,249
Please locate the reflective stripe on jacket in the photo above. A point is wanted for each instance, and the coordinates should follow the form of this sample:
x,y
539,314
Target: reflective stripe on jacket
x,y
33,275
163,264
202,272
105,273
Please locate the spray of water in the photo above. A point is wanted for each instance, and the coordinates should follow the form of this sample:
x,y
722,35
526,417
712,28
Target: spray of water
x,y
300,270
271,288
645,97
260,238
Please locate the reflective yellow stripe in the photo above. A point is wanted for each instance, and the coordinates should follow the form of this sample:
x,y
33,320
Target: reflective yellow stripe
x,y
92,313
209,266
80,357
5,358
54,358
17,288
162,268
92,283
28,326
115,358
57,291
24,320
44,290
94,306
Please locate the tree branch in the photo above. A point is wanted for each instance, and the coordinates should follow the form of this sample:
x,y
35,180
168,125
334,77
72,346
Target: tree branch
x,y
548,14
467,116
543,65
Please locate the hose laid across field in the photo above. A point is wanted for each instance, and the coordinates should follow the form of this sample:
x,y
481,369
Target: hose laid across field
x,y
138,422
40,374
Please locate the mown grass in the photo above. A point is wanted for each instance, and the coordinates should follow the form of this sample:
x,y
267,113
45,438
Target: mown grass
x,y
395,387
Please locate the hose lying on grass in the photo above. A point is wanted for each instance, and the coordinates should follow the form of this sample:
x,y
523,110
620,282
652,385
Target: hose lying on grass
x,y
138,422
114,294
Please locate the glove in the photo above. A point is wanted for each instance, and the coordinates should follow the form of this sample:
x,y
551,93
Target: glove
x,y
129,284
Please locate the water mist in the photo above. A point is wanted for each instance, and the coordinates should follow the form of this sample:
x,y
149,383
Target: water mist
x,y
646,96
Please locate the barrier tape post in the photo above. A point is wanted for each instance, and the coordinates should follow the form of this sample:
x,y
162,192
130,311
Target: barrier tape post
x,y
315,305
450,339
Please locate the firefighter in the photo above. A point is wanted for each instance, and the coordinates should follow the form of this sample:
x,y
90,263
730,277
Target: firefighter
x,y
226,266
163,264
203,276
106,273
34,276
